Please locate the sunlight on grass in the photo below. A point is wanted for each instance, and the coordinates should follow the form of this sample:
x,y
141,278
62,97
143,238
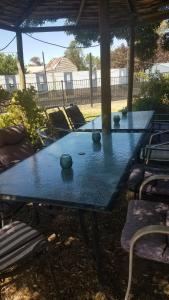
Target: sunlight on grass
x,y
92,112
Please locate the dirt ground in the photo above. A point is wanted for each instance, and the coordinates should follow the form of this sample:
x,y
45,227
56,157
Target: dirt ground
x,y
75,268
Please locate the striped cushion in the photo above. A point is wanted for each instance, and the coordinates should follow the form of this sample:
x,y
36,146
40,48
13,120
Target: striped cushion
x,y
18,240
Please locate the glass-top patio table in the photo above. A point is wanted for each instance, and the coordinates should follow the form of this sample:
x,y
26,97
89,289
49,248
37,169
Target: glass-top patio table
x,y
94,181
133,121
92,185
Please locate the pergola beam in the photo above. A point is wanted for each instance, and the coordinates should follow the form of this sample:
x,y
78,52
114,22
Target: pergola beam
x,y
131,7
20,61
131,67
7,27
82,3
57,28
28,11
105,65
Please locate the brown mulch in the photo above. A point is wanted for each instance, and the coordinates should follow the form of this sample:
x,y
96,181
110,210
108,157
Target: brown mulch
x,y
74,266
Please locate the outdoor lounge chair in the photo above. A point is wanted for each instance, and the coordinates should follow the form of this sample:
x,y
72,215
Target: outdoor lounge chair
x,y
58,127
145,232
14,147
18,244
75,116
157,149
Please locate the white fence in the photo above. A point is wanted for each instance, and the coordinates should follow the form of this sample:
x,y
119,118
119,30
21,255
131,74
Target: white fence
x,y
63,81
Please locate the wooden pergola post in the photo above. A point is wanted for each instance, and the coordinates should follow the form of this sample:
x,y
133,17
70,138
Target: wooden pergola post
x,y
20,61
105,65
131,67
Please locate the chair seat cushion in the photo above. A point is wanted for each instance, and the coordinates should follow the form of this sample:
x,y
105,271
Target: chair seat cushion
x,y
158,187
11,153
139,174
12,135
18,240
136,177
143,213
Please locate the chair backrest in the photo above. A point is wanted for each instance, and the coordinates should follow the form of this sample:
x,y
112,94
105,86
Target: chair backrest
x,y
59,120
14,145
75,116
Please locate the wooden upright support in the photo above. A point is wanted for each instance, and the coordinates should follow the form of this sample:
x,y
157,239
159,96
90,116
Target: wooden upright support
x,y
105,65
131,67
20,61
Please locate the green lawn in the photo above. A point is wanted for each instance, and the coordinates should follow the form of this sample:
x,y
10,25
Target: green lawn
x,y
92,112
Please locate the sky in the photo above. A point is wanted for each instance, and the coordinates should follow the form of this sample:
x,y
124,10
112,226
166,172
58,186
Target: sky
x,y
34,48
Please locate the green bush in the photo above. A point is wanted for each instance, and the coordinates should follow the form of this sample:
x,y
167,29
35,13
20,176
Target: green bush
x,y
23,109
4,98
154,94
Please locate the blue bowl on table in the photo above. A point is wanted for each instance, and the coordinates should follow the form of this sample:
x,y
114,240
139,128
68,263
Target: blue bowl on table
x,y
66,161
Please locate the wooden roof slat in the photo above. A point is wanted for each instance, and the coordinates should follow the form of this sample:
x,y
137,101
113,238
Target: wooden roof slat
x,y
83,12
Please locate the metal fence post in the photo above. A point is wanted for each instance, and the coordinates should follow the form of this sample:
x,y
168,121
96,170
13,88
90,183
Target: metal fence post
x,y
91,80
63,94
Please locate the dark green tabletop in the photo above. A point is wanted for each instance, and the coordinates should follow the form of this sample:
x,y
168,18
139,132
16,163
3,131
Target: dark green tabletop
x,y
133,121
94,182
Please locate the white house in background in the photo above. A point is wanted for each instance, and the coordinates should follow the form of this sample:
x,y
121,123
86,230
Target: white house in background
x,y
160,67
60,64
33,69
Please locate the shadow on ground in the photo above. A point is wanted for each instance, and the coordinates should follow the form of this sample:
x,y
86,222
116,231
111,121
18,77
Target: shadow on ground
x,y
75,267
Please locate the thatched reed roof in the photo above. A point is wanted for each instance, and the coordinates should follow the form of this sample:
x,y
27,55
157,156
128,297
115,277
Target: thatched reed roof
x,y
83,12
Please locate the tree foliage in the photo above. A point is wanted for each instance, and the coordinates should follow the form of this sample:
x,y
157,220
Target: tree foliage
x,y
76,55
8,64
95,62
35,60
146,38
119,57
154,94
22,109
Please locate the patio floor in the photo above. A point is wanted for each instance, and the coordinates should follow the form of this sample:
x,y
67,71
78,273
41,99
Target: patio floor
x,y
75,268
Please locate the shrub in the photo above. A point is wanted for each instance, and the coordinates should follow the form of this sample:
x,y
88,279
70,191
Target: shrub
x,y
154,94
4,98
23,109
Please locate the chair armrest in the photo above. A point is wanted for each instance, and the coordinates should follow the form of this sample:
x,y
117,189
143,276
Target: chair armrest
x,y
136,236
150,179
148,149
162,229
156,134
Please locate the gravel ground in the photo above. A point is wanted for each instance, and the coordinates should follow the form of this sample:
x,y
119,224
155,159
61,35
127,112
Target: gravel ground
x,y
74,267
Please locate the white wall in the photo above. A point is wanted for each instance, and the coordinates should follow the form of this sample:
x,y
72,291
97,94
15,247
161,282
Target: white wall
x,y
55,80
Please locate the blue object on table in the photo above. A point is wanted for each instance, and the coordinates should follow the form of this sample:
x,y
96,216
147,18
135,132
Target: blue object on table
x,y
98,176
135,121
116,119
96,136
66,161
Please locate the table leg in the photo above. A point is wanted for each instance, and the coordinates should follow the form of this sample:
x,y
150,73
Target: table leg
x,y
96,246
83,227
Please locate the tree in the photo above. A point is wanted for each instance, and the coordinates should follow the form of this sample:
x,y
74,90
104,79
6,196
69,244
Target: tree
x,y
36,61
8,64
119,57
146,38
76,55
95,62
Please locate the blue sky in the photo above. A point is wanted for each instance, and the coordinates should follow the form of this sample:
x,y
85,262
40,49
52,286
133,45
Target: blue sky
x,y
35,48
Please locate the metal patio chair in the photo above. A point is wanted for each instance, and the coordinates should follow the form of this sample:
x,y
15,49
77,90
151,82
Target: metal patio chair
x,y
15,146
157,149
146,231
140,174
75,116
58,127
19,244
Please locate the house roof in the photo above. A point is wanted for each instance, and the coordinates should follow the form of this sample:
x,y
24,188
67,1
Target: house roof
x,y
83,12
53,63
